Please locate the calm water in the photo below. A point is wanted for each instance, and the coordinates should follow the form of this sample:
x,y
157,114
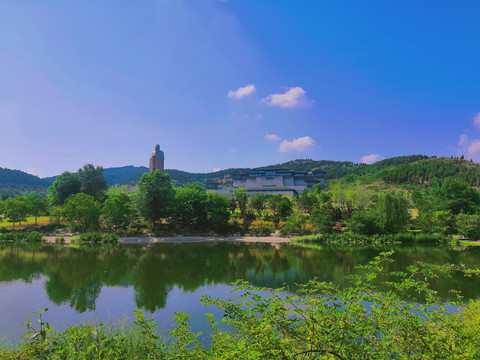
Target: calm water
x,y
107,285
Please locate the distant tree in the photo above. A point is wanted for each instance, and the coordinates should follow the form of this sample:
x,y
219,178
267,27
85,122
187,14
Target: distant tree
x,y
218,214
281,208
82,210
92,181
257,203
363,222
306,200
36,205
116,211
322,219
155,196
391,212
63,187
190,208
242,201
16,209
456,196
469,226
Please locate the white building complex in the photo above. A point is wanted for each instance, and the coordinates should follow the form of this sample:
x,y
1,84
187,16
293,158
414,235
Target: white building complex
x,y
271,181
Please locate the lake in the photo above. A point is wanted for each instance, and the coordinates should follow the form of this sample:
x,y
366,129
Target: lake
x,y
106,285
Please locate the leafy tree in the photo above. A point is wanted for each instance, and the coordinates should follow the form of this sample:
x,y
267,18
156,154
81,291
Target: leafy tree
x,y
92,181
391,212
117,210
306,201
190,208
82,210
218,214
257,203
322,219
363,222
63,187
36,205
281,208
457,196
16,209
155,196
242,201
437,222
469,226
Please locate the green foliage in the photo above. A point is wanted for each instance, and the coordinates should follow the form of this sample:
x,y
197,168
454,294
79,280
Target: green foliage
x,y
94,239
261,228
32,237
155,197
322,218
190,206
402,318
218,212
391,212
92,181
363,222
81,210
117,211
457,196
16,209
36,205
59,240
355,238
257,203
281,207
469,226
63,187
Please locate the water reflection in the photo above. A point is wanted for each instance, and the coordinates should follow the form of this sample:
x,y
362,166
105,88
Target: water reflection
x,y
76,276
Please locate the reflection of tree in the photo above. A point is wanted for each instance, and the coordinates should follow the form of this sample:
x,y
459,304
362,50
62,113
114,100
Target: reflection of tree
x,y
76,276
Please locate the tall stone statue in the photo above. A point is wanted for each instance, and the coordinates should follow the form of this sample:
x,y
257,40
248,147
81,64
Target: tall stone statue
x,y
157,159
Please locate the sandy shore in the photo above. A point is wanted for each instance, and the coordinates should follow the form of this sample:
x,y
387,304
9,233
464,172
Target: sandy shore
x,y
190,239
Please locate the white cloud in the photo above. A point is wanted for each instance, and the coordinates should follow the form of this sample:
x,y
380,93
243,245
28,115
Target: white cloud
x,y
476,119
260,116
242,92
233,150
272,137
33,171
372,158
474,147
463,139
293,97
305,143
216,169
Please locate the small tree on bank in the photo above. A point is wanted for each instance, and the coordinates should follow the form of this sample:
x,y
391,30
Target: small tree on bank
x,y
82,210
155,197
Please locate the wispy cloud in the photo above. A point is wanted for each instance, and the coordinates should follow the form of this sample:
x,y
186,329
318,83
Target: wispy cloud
x,y
293,97
272,137
372,158
216,169
305,143
474,147
233,150
476,119
242,92
463,140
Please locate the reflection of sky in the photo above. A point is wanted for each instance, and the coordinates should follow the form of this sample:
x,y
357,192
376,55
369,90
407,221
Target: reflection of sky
x,y
114,305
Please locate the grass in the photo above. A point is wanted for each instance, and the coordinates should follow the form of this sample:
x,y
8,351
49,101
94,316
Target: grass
x,y
41,220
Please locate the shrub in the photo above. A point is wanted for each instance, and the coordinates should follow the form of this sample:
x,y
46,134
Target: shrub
x,y
94,239
60,240
261,228
469,226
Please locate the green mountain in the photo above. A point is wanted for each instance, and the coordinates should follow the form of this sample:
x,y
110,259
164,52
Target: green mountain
x,y
411,169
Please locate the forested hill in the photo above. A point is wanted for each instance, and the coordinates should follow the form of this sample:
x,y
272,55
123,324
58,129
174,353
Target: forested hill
x,y
16,182
412,169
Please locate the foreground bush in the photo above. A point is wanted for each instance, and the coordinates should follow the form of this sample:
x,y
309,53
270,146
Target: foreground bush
x,y
261,228
399,319
94,239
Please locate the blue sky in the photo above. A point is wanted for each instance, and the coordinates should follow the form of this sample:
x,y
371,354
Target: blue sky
x,y
235,83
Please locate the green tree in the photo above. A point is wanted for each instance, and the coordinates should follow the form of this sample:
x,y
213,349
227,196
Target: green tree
x,y
363,222
16,209
63,187
242,201
36,205
391,212
257,203
190,208
457,196
306,201
92,181
155,196
469,226
82,210
116,211
281,208
218,212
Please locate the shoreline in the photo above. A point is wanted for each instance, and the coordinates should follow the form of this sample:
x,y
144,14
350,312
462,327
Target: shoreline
x,y
189,239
